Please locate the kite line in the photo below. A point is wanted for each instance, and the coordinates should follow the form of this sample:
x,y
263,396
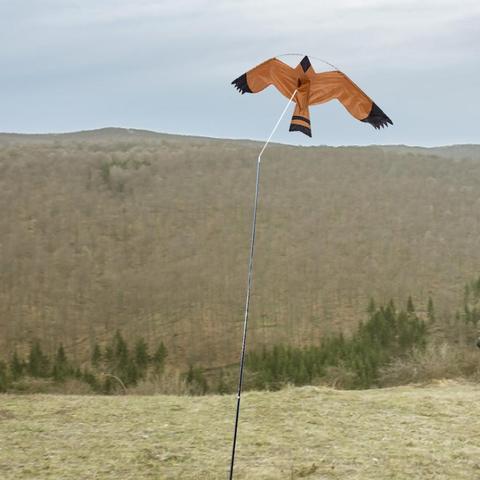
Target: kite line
x,y
309,56
284,77
249,284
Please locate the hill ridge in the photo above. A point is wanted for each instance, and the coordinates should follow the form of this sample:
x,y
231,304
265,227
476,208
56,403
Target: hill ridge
x,y
137,132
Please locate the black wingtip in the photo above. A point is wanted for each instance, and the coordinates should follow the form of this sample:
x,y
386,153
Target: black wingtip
x,y
295,127
377,118
241,84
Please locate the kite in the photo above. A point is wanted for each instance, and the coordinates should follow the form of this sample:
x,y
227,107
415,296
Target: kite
x,y
311,89
305,87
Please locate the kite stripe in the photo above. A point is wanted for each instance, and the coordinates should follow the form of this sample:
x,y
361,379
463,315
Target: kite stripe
x,y
303,119
294,127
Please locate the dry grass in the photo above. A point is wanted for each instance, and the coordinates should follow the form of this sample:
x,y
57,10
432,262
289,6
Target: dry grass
x,y
315,433
436,361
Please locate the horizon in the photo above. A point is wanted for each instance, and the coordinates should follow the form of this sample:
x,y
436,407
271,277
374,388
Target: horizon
x,y
278,142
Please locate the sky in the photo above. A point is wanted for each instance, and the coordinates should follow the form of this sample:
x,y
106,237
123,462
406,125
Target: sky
x,y
68,65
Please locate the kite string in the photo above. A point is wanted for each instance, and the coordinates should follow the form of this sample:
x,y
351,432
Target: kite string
x,y
276,125
309,56
249,285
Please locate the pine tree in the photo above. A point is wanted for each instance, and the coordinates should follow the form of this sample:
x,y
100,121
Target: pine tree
x,y
131,373
141,354
3,377
124,365
89,378
196,381
410,306
17,367
109,356
302,375
159,357
96,355
38,362
391,305
120,350
61,369
477,288
190,374
430,311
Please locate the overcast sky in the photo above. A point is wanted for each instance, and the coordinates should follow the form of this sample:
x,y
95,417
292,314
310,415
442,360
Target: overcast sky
x,y
167,66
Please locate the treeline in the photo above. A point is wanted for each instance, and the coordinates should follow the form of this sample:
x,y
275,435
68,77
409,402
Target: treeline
x,y
111,368
387,334
356,361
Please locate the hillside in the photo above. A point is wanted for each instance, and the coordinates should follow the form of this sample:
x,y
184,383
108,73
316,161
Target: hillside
x,y
314,433
150,232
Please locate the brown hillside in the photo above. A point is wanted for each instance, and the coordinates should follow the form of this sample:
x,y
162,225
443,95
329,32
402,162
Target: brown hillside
x,y
150,233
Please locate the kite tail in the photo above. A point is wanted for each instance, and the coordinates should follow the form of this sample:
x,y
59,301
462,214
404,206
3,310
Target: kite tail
x,y
301,121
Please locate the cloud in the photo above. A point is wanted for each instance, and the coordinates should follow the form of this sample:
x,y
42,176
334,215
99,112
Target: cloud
x,y
181,56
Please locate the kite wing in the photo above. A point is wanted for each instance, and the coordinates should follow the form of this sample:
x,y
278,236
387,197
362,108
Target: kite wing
x,y
272,72
330,85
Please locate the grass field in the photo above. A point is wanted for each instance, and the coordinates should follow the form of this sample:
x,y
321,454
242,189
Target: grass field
x,y
429,432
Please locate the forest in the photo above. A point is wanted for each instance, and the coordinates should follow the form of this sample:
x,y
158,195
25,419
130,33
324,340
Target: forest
x,y
147,235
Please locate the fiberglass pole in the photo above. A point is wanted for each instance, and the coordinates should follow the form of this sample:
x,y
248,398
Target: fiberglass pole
x,y
249,286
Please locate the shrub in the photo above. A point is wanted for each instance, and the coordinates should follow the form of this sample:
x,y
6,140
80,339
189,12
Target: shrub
x,y
436,362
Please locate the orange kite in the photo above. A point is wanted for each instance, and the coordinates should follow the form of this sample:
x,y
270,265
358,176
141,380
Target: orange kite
x,y
312,88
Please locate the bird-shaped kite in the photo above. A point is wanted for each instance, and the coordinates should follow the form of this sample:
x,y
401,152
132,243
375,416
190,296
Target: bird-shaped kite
x,y
312,88
305,87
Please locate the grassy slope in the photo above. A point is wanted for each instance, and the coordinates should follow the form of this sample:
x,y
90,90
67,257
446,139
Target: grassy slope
x,y
150,233
399,433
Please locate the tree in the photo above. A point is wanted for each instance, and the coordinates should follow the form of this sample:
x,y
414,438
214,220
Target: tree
x,y
131,373
391,305
17,367
141,354
430,311
3,377
109,356
159,357
120,349
123,363
410,306
61,369
196,381
89,378
96,355
38,363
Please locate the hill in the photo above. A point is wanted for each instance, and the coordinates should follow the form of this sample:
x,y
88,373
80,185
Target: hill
x,y
314,433
149,233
